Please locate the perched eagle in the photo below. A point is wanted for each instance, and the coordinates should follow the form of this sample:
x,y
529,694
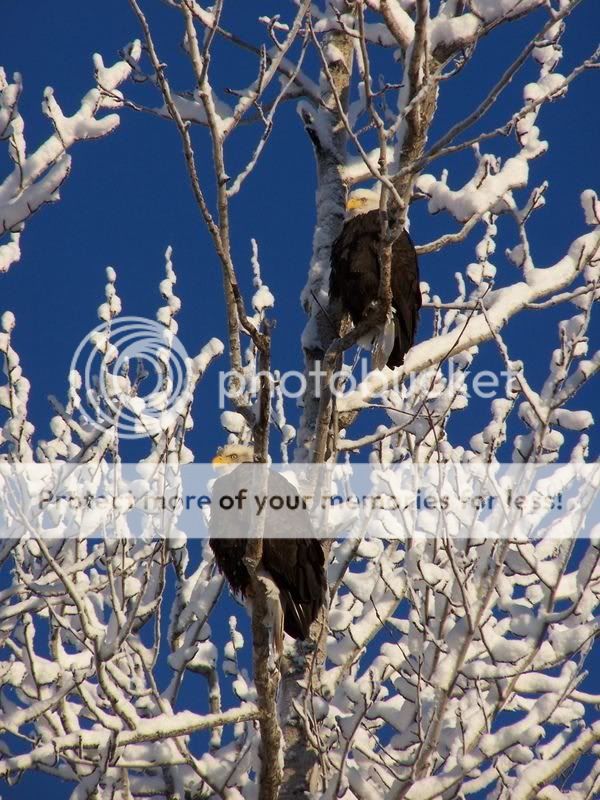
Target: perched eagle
x,y
292,569
354,280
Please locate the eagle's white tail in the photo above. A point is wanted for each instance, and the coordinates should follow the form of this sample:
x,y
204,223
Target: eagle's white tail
x,y
383,342
274,617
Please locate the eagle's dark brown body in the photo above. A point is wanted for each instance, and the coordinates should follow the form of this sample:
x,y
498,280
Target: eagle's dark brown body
x,y
355,278
296,565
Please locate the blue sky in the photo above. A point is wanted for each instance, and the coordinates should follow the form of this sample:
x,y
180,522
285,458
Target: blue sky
x,y
128,197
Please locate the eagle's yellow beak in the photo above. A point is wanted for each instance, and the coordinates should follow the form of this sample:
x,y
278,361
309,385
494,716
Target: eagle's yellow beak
x,y
218,461
354,203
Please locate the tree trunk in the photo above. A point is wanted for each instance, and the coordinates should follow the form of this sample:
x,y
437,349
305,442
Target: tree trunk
x,y
301,773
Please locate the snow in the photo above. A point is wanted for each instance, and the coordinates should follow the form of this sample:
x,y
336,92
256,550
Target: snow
x,y
501,305
333,54
263,299
104,312
35,179
193,110
355,170
233,422
360,584
111,77
163,315
591,207
402,22
495,9
16,211
432,574
572,420
453,31
7,321
476,196
213,349
80,126
10,252
205,16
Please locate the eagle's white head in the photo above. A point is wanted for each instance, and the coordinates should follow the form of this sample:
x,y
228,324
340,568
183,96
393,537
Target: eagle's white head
x,y
233,454
362,200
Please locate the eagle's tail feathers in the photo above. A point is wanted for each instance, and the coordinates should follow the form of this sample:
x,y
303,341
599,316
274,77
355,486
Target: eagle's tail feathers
x,y
384,342
397,351
297,618
275,614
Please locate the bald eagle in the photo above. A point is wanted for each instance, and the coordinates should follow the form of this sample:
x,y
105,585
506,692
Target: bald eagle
x,y
354,278
292,569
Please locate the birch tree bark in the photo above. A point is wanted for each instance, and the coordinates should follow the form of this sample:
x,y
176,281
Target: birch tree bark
x,y
328,135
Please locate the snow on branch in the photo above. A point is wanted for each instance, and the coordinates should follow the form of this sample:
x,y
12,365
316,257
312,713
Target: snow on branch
x,y
473,329
37,178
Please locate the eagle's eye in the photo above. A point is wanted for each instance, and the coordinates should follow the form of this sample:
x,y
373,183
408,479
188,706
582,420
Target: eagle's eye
x,y
234,457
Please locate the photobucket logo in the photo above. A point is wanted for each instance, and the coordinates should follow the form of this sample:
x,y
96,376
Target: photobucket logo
x,y
130,372
292,384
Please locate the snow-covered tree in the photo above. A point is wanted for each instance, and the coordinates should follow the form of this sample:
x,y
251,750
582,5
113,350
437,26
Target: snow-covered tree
x,y
451,661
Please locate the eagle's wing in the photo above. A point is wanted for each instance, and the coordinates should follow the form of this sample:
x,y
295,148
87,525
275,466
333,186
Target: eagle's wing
x,y
228,528
297,567
406,297
296,564
354,277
